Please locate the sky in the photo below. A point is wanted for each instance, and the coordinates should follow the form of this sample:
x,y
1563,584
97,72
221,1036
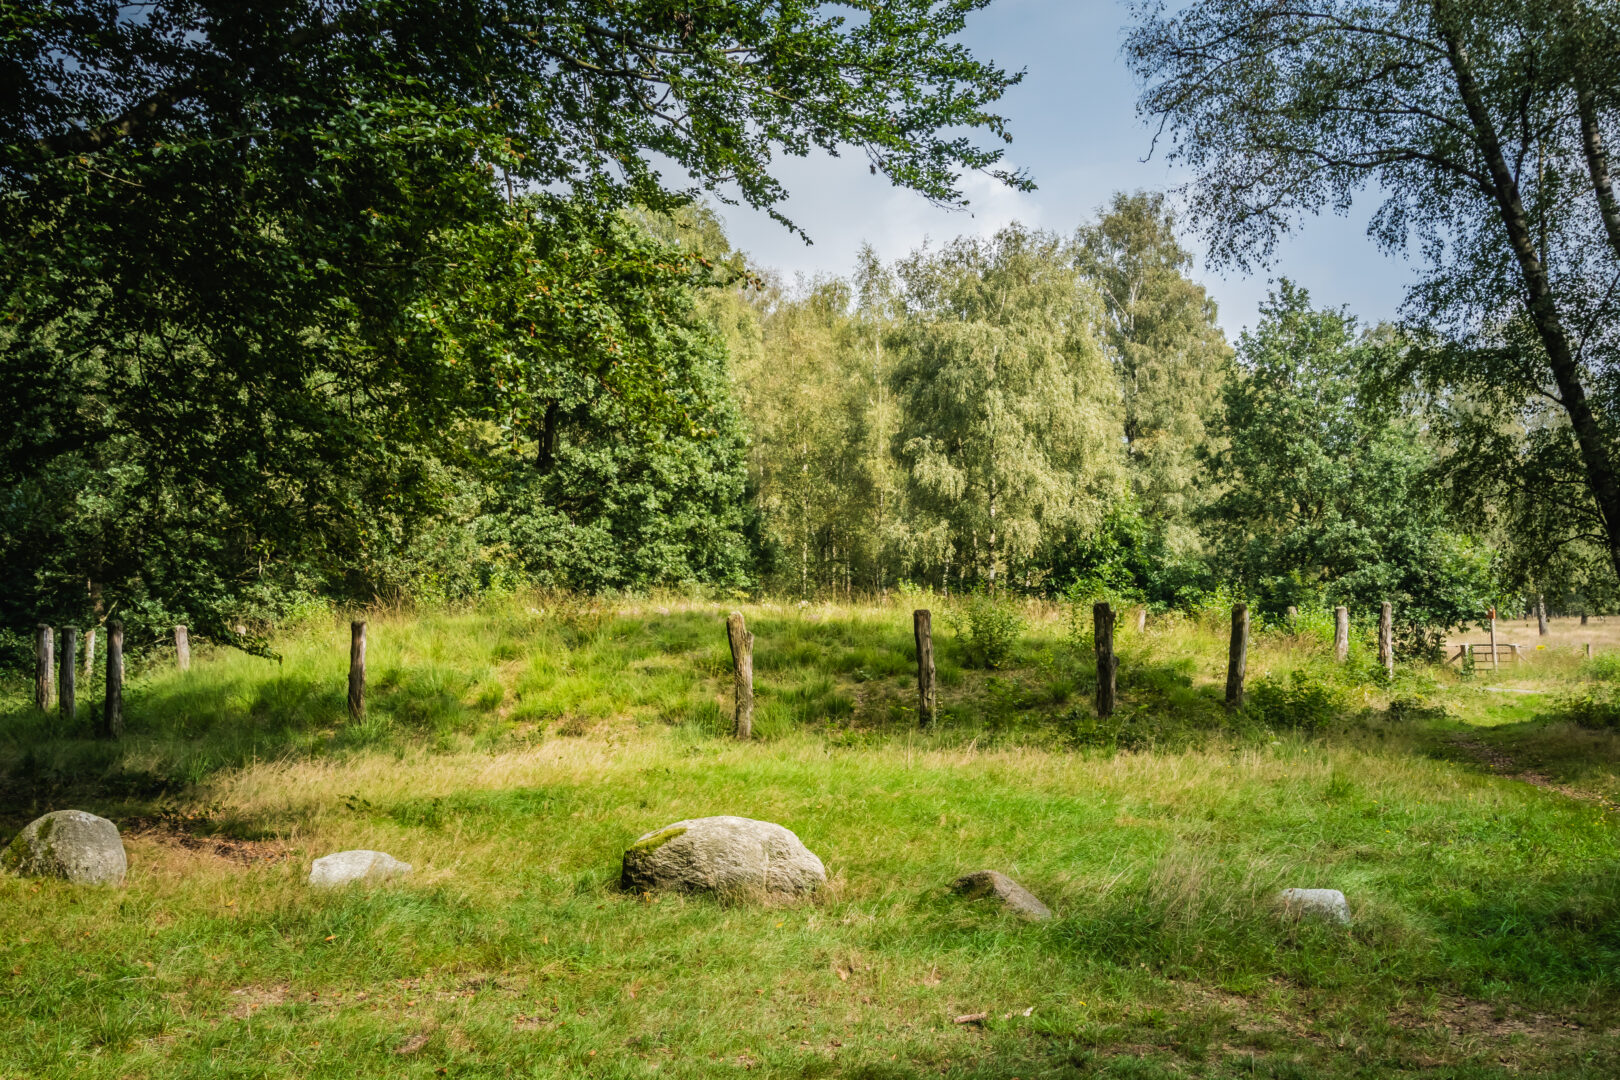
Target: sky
x,y
1075,128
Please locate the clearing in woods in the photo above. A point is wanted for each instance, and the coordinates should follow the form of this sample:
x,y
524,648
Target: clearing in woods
x,y
511,753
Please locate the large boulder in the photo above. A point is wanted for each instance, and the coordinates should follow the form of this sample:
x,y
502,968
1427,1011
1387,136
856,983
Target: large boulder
x,y
344,867
1327,904
68,844
1011,895
730,856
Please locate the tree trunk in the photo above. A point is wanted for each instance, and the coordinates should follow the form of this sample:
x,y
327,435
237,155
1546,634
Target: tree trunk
x,y
1539,299
922,628
112,708
1341,633
742,664
1237,656
44,667
357,669
1107,663
66,695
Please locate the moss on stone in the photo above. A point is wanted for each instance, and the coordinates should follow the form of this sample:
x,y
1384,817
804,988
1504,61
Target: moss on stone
x,y
656,840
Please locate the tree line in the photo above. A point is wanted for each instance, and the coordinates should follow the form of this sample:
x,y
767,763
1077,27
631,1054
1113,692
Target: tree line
x,y
311,302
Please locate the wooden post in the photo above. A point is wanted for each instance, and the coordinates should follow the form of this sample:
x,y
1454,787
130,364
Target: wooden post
x,y
922,627
1386,638
1496,662
1237,658
89,653
1141,620
44,667
742,665
1589,650
1341,633
112,709
1541,615
182,648
66,692
357,669
1107,663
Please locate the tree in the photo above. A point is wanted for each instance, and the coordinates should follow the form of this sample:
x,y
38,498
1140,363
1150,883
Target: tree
x,y
1009,413
276,256
1325,483
1161,335
1486,126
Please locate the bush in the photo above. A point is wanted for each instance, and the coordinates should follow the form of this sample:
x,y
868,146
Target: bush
x,y
1299,702
990,628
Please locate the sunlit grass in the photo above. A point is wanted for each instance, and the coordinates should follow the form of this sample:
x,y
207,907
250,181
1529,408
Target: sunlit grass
x,y
511,752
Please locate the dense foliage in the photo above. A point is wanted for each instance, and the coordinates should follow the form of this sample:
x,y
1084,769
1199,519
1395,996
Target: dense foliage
x,y
1326,483
279,317
1485,128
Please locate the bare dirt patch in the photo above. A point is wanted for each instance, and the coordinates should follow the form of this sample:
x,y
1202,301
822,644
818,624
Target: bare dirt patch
x,y
1499,763
244,852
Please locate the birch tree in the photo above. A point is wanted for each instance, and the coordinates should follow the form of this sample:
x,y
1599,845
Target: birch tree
x,y
1009,413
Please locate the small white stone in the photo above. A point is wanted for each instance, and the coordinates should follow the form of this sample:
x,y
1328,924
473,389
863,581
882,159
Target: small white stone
x,y
1327,903
345,866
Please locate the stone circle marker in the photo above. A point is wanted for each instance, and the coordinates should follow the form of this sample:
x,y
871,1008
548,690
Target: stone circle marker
x,y
1327,904
1013,896
69,844
728,856
344,867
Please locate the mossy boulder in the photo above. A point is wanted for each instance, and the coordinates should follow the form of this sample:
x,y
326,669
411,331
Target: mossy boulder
x,y
68,844
729,856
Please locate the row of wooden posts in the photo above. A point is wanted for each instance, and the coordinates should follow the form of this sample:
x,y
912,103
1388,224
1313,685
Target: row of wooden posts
x,y
49,674
56,666
1237,656
742,658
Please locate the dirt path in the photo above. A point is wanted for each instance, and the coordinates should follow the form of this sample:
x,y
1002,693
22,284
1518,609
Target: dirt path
x,y
1500,764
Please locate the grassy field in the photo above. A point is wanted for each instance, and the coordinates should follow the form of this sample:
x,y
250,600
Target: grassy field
x,y
511,752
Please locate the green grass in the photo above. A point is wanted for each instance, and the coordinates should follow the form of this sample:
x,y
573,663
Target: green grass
x,y
513,752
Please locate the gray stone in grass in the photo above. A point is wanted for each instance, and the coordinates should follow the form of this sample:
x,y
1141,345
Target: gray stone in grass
x,y
71,845
349,866
1013,896
1328,904
729,856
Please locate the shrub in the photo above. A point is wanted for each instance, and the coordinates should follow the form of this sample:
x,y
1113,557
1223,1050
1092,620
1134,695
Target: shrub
x,y
990,628
1299,702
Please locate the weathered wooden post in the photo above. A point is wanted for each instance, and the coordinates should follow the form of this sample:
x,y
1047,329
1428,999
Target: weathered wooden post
x,y
357,669
1589,650
1541,615
1102,617
1341,633
922,628
1496,663
112,709
44,667
1386,638
1141,620
66,691
89,653
1237,657
742,669
182,648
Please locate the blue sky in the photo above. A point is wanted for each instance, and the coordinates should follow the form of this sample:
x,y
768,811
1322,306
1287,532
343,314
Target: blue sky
x,y
1075,128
